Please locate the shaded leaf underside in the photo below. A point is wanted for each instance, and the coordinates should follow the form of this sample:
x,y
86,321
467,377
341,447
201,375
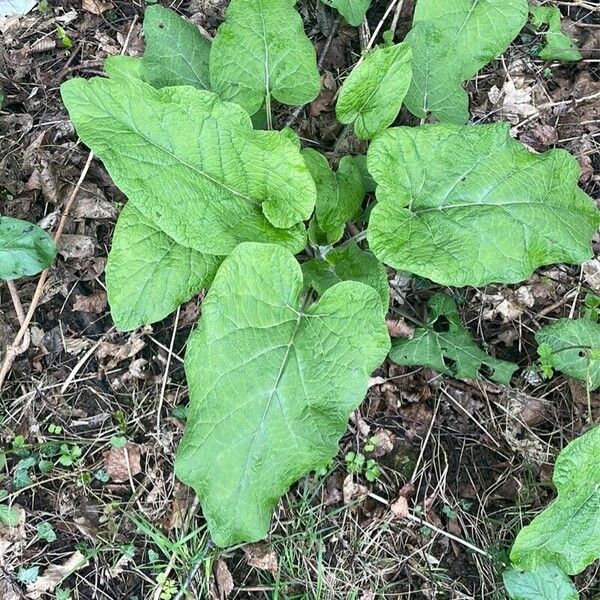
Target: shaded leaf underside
x,y
446,346
25,249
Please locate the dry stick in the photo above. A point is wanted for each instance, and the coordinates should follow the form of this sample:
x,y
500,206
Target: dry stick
x,y
13,349
14,294
80,364
163,387
424,523
12,288
381,22
541,107
449,535
397,16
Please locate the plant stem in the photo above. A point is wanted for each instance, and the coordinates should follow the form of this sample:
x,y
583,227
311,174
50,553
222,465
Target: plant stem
x,y
296,113
340,141
359,237
166,374
269,112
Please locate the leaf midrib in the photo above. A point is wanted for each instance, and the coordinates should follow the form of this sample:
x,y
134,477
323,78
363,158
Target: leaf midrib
x,y
267,82
203,174
284,363
474,205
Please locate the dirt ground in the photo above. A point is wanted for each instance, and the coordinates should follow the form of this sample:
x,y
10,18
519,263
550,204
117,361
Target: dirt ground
x,y
91,417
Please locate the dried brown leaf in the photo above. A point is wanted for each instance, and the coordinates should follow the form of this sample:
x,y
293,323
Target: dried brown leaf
x,y
96,7
261,556
353,491
399,508
399,328
122,463
385,442
120,352
76,246
54,574
224,579
94,304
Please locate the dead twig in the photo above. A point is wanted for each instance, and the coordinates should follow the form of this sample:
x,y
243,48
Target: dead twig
x,y
13,350
12,288
163,387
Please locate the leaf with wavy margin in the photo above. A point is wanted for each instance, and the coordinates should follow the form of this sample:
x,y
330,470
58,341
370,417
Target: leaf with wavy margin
x,y
469,205
272,383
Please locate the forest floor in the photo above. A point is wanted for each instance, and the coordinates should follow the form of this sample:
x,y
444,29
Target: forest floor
x,y
91,417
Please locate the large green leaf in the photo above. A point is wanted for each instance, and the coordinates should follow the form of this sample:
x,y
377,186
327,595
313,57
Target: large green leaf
x,y
176,52
348,263
261,51
372,95
148,274
450,43
272,384
445,345
339,195
353,11
547,582
557,45
575,348
193,165
567,533
470,205
124,67
25,249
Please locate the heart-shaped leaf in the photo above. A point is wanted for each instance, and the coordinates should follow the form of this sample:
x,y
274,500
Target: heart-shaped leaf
x,y
567,533
470,205
25,249
272,384
193,165
450,43
261,52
